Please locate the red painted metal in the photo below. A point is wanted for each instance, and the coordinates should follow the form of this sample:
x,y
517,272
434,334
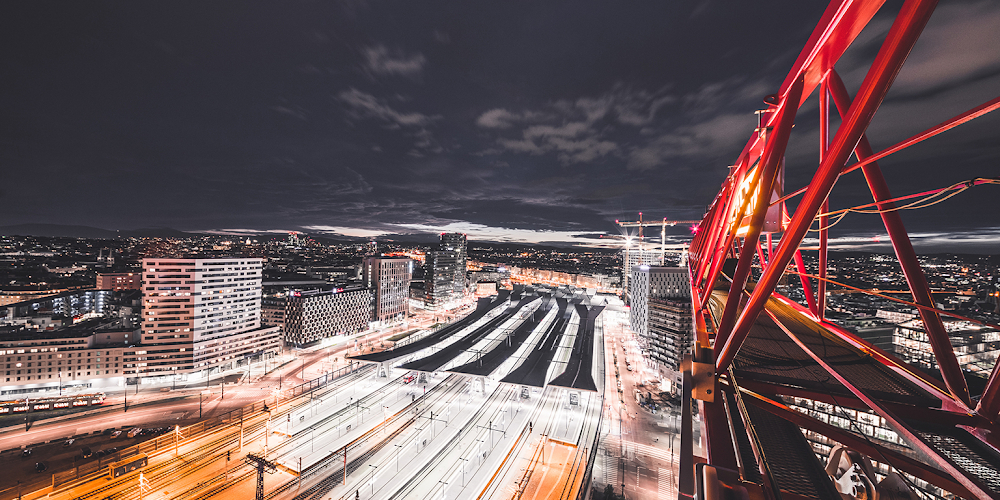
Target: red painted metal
x,y
989,403
720,440
759,247
945,463
902,35
717,218
774,150
841,23
838,27
725,238
824,220
929,415
806,286
944,126
939,340
904,463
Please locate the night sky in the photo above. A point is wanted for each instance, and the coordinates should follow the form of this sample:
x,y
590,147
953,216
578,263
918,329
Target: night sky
x,y
519,121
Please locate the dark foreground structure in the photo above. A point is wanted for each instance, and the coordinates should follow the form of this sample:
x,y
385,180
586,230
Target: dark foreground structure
x,y
794,406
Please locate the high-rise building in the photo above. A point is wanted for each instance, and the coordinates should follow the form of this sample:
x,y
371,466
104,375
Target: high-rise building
x,y
439,277
660,314
312,315
200,315
458,243
389,281
636,257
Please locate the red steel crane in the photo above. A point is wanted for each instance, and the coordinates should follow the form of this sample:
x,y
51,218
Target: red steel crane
x,y
758,354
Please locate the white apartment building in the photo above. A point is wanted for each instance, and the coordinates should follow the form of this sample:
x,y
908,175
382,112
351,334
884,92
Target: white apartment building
x,y
660,314
200,315
632,257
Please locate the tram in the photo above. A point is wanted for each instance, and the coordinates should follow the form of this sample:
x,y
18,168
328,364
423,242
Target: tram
x,y
53,403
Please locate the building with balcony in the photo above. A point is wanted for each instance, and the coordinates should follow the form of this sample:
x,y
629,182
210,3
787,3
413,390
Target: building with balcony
x,y
200,315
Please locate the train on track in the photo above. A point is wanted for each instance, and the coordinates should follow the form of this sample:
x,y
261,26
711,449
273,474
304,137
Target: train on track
x,y
53,403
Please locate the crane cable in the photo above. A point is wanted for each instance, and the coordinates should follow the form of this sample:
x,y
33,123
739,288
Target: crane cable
x,y
930,198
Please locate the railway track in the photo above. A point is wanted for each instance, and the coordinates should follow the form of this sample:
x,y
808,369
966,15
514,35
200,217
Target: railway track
x,y
451,386
499,394
158,473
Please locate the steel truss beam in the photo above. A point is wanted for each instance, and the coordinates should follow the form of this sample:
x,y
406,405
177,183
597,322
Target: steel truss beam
x,y
718,239
944,462
940,343
904,33
902,462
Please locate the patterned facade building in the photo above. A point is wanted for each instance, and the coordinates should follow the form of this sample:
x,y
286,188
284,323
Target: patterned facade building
x,y
439,277
313,315
458,243
632,258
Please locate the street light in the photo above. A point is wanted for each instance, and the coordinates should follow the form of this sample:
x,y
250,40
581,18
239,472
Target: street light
x,y
201,397
463,470
373,479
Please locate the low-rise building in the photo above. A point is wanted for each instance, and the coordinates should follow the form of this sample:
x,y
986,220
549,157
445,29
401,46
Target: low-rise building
x,y
88,355
976,347
118,281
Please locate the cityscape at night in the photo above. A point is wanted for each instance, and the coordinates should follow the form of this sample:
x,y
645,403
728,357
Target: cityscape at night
x,y
558,250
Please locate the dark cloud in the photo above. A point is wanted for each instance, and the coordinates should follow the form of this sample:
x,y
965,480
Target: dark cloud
x,y
552,119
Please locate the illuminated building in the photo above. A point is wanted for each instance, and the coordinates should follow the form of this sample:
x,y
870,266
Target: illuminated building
x,y
389,280
660,314
71,304
118,281
977,347
88,354
312,315
457,242
439,277
636,257
200,315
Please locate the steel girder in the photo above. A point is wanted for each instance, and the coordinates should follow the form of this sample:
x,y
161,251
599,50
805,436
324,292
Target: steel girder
x,y
718,239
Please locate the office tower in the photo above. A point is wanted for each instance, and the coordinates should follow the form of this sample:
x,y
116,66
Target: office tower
x,y
439,277
200,315
456,242
389,280
660,314
636,257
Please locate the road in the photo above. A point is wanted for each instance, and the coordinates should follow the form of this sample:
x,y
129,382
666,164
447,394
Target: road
x,y
638,448
451,436
153,408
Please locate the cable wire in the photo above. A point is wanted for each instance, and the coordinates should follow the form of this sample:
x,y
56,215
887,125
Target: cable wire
x,y
930,198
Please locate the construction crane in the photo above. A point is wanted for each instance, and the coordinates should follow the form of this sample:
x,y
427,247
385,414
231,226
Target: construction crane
x,y
261,464
663,231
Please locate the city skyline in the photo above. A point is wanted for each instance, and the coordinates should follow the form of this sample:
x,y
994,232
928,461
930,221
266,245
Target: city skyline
x,y
541,124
